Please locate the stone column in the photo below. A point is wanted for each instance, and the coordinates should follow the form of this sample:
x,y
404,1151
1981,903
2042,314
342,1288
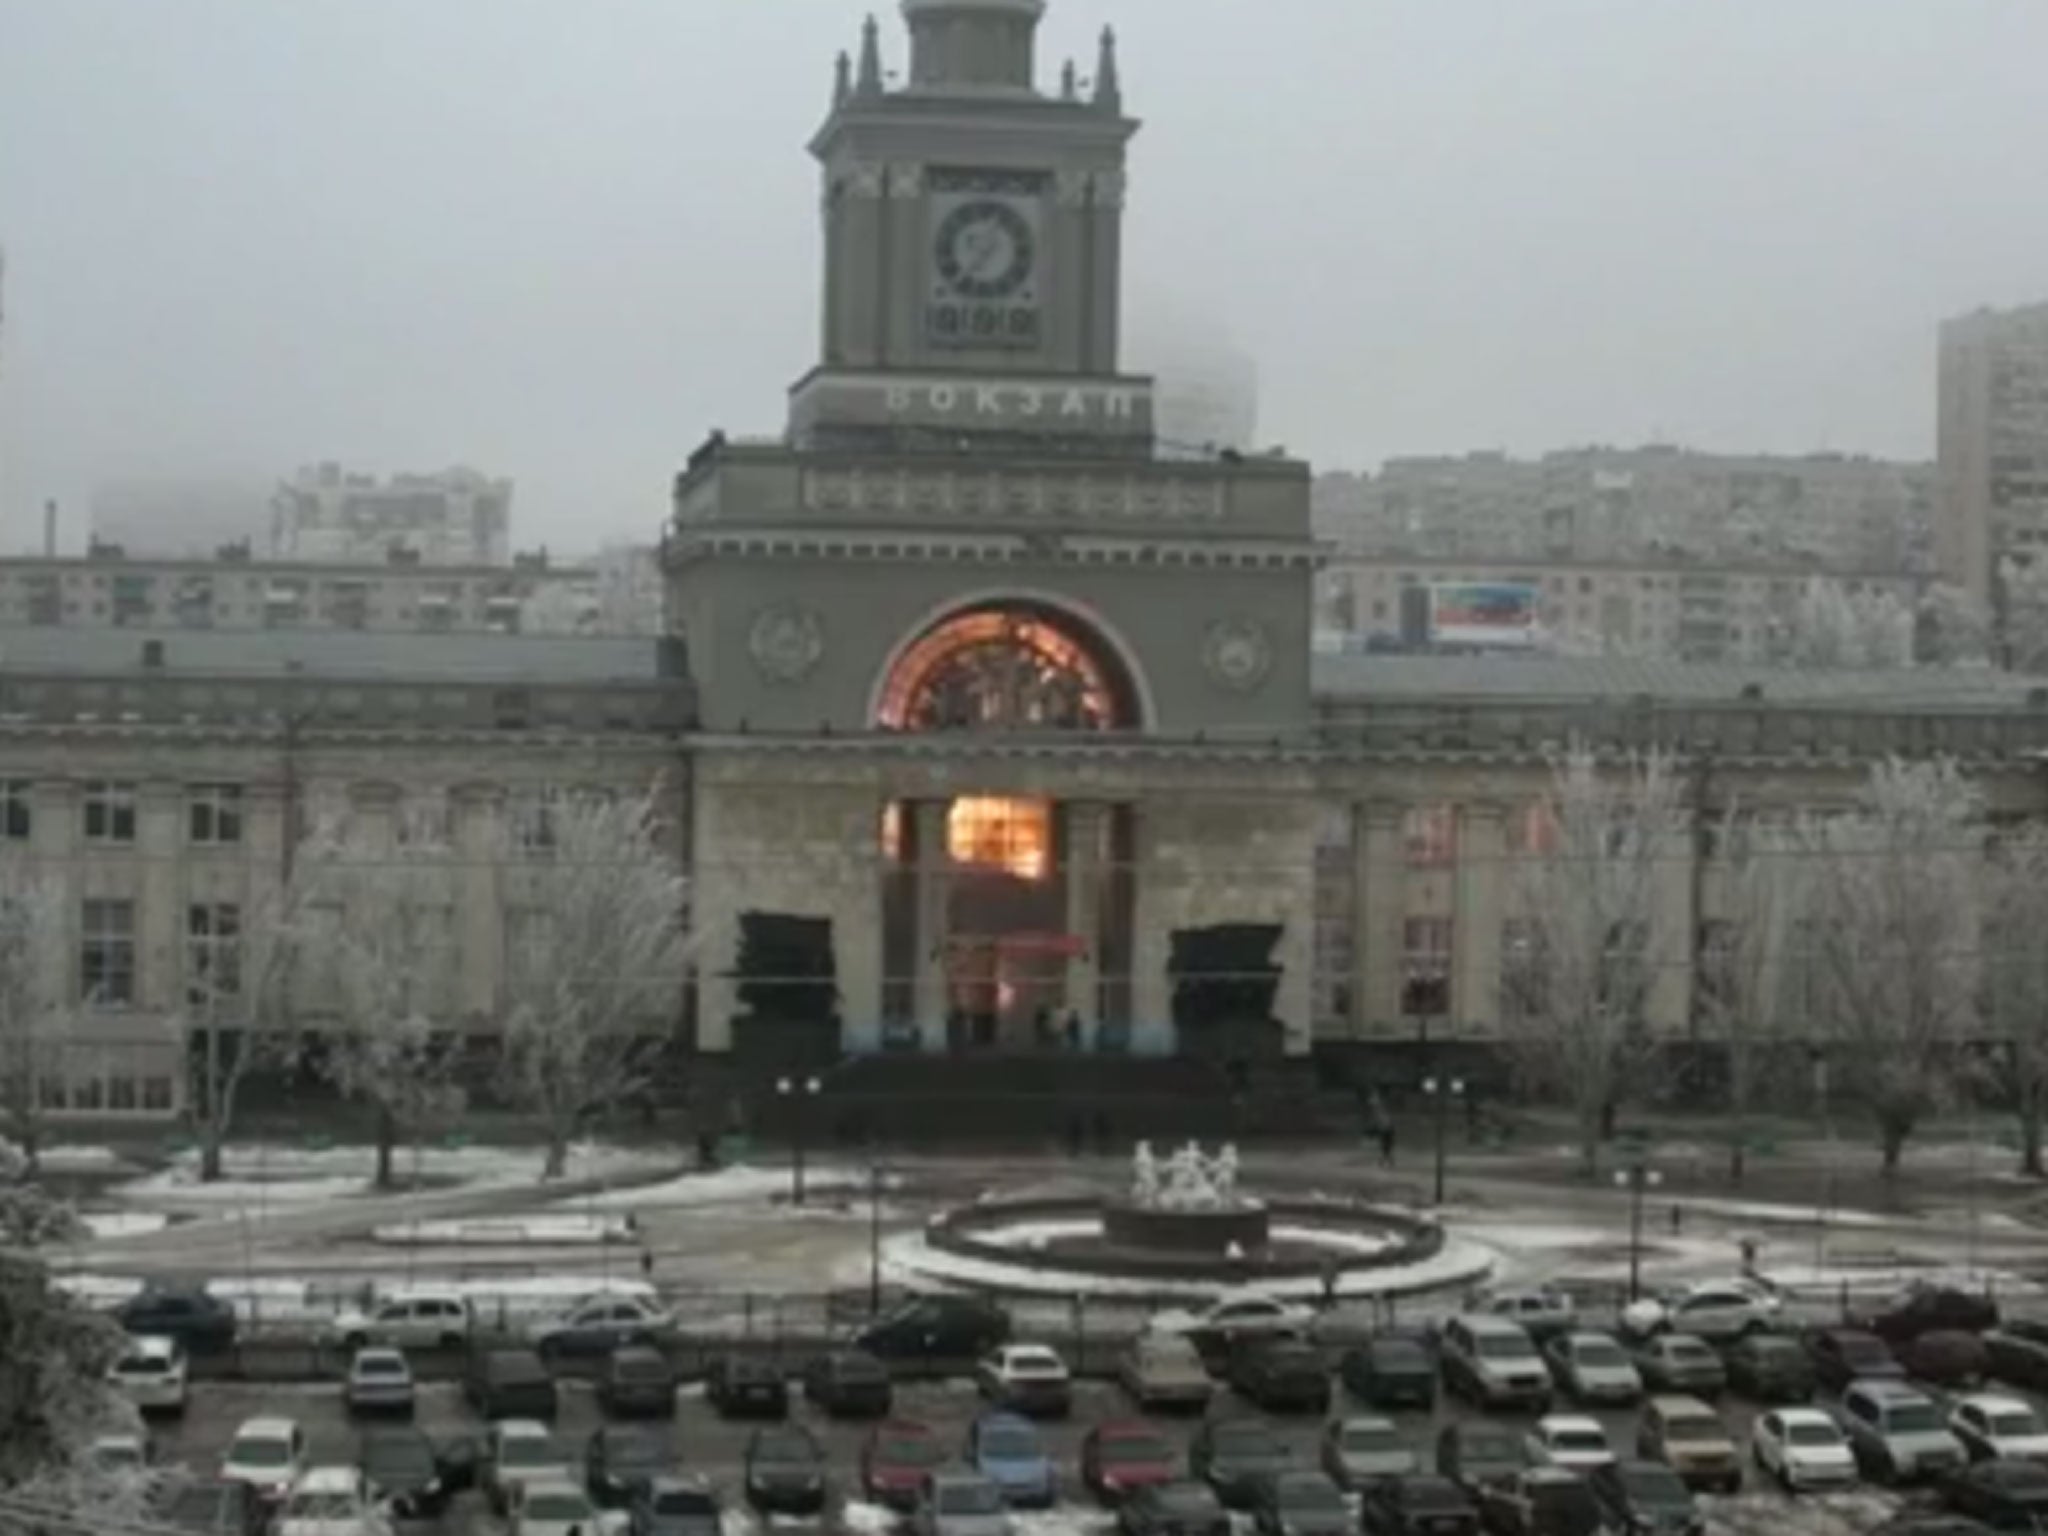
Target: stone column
x,y
1476,926
159,894
1159,907
479,903
934,892
1377,893
1087,824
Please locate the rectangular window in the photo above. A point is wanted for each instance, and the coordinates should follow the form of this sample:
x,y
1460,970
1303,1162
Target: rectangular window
x,y
88,1093
1431,833
426,821
16,817
213,953
156,1092
533,823
106,969
1532,830
121,1093
109,812
1426,967
214,814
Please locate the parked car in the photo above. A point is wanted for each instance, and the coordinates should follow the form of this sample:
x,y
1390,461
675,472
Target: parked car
x,y
618,1459
1214,1329
936,1328
1492,1363
637,1379
955,1503
509,1384
1185,1508
1301,1503
2018,1352
1569,1440
895,1459
1393,1370
785,1470
1591,1368
404,1469
1232,1454
740,1386
199,1320
378,1381
1007,1450
1678,1362
516,1452
1946,1357
2010,1494
1717,1311
1164,1370
1026,1378
1646,1498
1124,1455
1689,1437
422,1319
1897,1433
1280,1375
599,1324
849,1383
1358,1451
1923,1309
555,1506
1992,1425
1803,1448
1542,1312
269,1454
1769,1368
1543,1501
330,1501
151,1374
1420,1504
670,1505
1473,1453
1923,1522
119,1454
1843,1355
214,1507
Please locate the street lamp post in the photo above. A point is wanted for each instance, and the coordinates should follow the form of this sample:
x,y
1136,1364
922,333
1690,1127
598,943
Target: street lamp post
x,y
1635,1179
874,1239
1441,1091
797,1089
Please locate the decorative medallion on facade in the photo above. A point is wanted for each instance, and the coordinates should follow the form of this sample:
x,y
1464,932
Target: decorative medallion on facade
x,y
1237,653
786,643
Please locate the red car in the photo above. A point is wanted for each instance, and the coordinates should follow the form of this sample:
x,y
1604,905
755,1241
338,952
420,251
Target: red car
x,y
894,1459
1124,1455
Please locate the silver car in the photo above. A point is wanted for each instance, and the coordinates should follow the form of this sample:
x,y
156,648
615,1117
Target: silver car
x,y
1592,1368
1897,1433
379,1381
1363,1450
960,1504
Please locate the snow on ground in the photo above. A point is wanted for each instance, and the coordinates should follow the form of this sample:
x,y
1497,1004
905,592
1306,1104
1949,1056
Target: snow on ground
x,y
504,1231
734,1185
1772,1514
293,1301
1824,1281
123,1223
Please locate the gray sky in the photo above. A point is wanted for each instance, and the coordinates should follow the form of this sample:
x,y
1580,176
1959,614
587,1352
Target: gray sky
x,y
561,240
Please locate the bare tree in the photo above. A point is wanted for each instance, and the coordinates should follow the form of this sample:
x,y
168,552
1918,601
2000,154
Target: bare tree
x,y
2023,614
35,952
595,957
1742,989
1591,908
2016,977
384,952
1834,627
1954,626
1890,911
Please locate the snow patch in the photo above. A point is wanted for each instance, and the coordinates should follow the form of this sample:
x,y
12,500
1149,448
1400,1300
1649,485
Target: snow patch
x,y
508,1231
124,1223
740,1182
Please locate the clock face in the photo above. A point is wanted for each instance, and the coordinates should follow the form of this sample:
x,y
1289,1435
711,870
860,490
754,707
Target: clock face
x,y
984,250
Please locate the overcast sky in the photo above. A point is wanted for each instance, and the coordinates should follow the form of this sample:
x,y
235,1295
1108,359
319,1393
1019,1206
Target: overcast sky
x,y
561,239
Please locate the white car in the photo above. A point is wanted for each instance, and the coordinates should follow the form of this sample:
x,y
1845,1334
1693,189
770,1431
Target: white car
x,y
557,1507
1243,1314
1027,1377
1569,1440
1717,1310
1991,1424
269,1454
118,1454
151,1374
423,1319
379,1381
1540,1310
331,1501
1802,1448
1591,1368
518,1452
599,1324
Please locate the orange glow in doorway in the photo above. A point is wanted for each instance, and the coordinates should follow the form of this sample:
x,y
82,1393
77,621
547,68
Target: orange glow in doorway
x,y
996,832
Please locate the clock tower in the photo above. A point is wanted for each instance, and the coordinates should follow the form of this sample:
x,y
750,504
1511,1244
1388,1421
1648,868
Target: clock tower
x,y
973,228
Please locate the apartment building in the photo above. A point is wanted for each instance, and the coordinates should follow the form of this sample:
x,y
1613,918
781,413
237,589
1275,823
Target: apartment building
x,y
1992,444
456,517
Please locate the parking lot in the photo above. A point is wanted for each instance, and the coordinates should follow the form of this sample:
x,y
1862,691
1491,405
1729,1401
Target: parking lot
x,y
705,1444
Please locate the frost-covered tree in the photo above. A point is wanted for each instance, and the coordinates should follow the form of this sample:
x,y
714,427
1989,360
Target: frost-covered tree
x,y
1836,628
35,952
383,951
2023,627
1742,989
1590,912
1890,915
596,952
1954,628
2015,1003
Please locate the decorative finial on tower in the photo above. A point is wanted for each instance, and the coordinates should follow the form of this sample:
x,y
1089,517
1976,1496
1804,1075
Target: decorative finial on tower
x,y
1069,88
1109,95
842,78
870,58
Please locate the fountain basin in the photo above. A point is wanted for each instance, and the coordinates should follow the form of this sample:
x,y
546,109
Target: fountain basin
x,y
1245,1226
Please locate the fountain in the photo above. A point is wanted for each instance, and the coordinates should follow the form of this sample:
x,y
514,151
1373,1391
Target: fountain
x,y
1188,1204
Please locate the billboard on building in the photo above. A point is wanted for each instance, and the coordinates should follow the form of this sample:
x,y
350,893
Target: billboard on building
x,y
1500,615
